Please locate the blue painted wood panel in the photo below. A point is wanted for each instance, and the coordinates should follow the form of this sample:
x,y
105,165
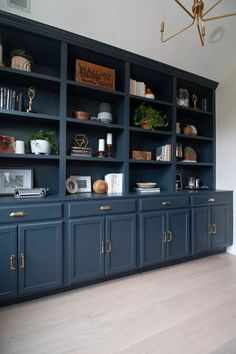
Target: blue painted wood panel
x,y
201,221
178,234
219,219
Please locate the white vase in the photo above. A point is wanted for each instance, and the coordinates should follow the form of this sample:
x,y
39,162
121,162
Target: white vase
x,y
40,147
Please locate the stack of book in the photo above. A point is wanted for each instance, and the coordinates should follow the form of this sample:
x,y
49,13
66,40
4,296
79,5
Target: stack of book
x,y
10,99
81,151
148,190
114,182
163,153
137,88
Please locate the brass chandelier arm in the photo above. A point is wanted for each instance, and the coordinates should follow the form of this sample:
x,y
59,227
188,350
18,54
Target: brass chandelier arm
x,y
186,10
201,33
212,7
218,17
174,35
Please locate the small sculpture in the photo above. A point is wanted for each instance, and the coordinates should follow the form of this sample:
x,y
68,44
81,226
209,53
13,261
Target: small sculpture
x,y
194,99
80,146
31,95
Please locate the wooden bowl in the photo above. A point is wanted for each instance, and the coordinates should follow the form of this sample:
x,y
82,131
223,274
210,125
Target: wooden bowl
x,y
100,186
82,115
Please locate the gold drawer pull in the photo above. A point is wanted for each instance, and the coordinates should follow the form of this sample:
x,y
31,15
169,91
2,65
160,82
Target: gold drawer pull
x,y
213,229
211,200
105,207
22,266
108,250
102,247
17,213
170,236
165,237
168,203
12,263
210,229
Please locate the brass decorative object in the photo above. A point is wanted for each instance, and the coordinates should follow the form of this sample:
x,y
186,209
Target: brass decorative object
x,y
195,100
31,95
80,146
198,16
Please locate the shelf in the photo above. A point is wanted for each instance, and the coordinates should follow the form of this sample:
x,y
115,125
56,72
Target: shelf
x,y
30,156
28,116
150,162
195,111
195,164
95,159
149,100
7,70
194,137
91,124
149,131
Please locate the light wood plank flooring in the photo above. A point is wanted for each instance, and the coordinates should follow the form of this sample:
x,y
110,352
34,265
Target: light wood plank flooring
x,y
187,308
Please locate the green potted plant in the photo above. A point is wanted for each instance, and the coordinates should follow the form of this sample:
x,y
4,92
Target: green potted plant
x,y
21,60
43,143
149,118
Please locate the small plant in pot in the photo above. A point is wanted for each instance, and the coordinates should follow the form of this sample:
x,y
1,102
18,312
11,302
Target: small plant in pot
x,y
149,118
21,60
43,143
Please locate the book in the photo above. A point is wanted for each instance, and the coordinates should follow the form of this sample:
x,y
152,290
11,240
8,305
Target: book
x,y
115,183
147,190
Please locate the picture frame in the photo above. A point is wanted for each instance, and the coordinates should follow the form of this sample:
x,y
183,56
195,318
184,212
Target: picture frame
x,y
83,182
12,178
179,182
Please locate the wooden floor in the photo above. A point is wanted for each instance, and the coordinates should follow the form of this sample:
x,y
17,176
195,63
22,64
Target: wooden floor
x,y
188,308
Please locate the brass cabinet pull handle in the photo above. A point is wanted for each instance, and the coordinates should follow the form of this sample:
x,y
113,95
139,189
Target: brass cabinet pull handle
x,y
108,250
170,236
105,207
17,213
168,203
22,266
211,200
165,237
12,263
102,247
214,229
210,229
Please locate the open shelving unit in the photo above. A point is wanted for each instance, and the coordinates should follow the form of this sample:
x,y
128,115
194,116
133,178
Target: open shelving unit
x,y
58,96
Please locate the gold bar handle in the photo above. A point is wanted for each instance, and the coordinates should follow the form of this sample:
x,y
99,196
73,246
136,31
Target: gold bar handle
x,y
12,263
210,229
211,200
108,250
170,236
165,237
214,229
105,207
102,247
168,203
22,266
17,213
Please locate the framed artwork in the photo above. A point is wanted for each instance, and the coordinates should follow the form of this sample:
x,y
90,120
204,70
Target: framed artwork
x,y
12,178
83,183
179,183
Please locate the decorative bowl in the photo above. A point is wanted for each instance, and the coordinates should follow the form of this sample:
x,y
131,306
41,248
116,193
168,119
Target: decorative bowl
x,y
146,184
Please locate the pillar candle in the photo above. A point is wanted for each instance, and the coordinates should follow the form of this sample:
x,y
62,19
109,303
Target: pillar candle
x,y
101,145
109,138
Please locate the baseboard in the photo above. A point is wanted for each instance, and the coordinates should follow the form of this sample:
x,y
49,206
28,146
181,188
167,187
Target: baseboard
x,y
232,250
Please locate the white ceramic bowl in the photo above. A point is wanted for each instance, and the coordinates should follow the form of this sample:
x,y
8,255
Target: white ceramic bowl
x,y
146,185
105,117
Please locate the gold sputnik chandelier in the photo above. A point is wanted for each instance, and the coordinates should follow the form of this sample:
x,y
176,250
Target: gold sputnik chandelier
x,y
198,16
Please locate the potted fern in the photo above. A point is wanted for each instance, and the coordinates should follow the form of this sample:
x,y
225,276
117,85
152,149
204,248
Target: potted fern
x,y
149,118
43,143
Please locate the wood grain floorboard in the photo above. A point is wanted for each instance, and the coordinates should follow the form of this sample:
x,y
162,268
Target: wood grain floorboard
x,y
187,308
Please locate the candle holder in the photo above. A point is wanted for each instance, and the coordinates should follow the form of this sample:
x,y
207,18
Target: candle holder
x,y
101,154
109,148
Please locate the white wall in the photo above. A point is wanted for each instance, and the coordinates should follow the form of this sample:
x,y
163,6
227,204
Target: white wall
x,y
226,138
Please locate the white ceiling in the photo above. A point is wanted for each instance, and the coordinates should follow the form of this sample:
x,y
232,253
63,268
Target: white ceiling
x,y
134,25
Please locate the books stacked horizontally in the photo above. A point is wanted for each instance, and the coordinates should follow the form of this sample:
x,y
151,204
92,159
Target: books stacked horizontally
x,y
148,187
10,99
81,151
115,183
163,153
137,88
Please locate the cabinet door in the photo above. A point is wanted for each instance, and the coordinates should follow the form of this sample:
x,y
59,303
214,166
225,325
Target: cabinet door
x,y
201,222
177,234
120,243
8,262
86,254
219,224
152,234
40,256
